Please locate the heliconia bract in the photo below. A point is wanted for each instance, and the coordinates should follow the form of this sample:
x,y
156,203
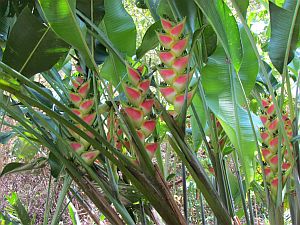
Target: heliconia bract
x,y
139,107
133,75
146,106
165,40
84,89
151,148
83,109
133,95
148,127
269,151
174,70
90,156
168,75
135,115
169,93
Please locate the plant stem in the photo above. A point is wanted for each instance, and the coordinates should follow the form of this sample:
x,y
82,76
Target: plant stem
x,y
236,165
184,189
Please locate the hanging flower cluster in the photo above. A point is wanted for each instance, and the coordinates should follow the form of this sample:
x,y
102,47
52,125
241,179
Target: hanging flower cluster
x,y
175,71
82,107
139,107
270,145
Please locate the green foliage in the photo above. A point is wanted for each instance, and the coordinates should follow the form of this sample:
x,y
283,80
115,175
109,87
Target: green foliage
x,y
39,48
15,167
225,26
18,210
120,29
61,16
149,41
283,28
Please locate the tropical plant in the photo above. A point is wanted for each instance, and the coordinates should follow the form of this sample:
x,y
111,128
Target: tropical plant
x,y
101,115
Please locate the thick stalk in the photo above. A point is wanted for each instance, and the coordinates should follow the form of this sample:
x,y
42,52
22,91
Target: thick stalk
x,y
60,201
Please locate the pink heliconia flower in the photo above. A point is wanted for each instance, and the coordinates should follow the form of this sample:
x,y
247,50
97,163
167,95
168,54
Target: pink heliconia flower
x,y
135,115
75,83
265,102
141,135
268,172
90,156
286,165
270,139
77,112
168,75
175,64
274,163
273,125
144,86
180,64
89,118
271,109
134,95
84,89
179,100
166,24
274,144
75,98
148,127
169,93
167,58
274,188
133,75
151,148
77,147
267,154
180,82
179,47
83,110
166,40
264,119
265,136
86,105
178,28
146,106
274,183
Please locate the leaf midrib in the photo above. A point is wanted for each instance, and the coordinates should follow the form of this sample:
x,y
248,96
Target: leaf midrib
x,y
34,50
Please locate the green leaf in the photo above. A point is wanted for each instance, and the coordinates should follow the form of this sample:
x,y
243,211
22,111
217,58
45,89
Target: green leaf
x,y
32,47
120,29
6,136
217,74
84,6
23,149
3,7
196,134
150,40
181,9
15,167
61,16
41,98
55,165
210,39
281,22
6,24
18,206
225,26
243,6
73,214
